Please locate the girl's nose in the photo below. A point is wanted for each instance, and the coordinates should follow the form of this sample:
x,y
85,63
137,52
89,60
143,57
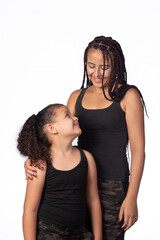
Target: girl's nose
x,y
75,118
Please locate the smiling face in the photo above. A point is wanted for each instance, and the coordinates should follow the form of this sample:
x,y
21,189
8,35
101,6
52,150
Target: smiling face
x,y
66,124
95,68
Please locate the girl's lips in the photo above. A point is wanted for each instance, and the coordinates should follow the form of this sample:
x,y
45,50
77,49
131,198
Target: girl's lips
x,y
76,124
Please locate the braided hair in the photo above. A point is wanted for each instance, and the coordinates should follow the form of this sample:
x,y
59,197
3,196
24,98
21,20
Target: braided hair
x,y
32,140
112,49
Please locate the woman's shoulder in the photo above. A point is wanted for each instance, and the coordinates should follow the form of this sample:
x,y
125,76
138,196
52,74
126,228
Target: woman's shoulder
x,y
128,91
74,95
132,92
131,99
72,100
130,95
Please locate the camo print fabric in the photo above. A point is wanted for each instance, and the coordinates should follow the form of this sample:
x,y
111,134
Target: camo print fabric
x,y
112,194
49,231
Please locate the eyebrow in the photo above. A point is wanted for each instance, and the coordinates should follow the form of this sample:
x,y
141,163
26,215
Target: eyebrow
x,y
67,111
99,65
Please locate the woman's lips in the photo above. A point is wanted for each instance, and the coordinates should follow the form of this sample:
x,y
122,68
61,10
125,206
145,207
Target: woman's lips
x,y
97,80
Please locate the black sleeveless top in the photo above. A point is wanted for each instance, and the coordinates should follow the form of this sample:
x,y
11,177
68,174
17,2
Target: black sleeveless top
x,y
63,199
104,135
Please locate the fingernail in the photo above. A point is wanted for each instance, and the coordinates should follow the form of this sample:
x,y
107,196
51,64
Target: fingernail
x,y
118,219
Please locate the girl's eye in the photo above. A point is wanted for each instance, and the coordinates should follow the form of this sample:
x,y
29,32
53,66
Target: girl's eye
x,y
67,115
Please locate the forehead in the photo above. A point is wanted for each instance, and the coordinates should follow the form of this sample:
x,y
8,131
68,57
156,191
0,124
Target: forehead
x,y
96,56
61,110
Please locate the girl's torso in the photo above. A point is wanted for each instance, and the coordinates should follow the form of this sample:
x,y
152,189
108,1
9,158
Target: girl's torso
x,y
63,200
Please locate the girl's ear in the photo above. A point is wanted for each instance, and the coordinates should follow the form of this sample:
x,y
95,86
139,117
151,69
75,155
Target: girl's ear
x,y
51,128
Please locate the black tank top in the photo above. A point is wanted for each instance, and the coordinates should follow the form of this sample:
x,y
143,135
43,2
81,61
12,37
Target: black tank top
x,y
63,200
104,135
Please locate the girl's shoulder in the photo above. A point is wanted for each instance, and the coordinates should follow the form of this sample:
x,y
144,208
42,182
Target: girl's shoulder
x,y
89,156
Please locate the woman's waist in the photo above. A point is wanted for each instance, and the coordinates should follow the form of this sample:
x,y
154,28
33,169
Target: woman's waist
x,y
104,141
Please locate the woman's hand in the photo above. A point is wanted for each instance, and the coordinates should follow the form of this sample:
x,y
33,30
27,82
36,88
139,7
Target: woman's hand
x,y
30,171
128,212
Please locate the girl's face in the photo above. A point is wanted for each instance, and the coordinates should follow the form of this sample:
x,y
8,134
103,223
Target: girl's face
x,y
66,124
95,67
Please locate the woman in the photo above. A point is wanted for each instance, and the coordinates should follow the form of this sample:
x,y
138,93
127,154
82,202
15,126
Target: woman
x,y
111,114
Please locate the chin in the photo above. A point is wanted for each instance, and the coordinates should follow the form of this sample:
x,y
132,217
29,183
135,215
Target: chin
x,y
79,132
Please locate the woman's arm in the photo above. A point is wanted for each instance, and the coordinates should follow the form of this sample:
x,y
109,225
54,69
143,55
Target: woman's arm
x,y
135,124
93,200
31,204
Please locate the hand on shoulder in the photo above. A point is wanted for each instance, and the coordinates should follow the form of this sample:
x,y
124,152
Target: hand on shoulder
x,y
40,168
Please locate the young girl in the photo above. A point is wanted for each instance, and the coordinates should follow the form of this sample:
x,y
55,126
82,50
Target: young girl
x,y
55,201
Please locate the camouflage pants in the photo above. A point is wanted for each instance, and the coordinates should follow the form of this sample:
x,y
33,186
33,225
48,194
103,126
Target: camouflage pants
x,y
49,231
112,194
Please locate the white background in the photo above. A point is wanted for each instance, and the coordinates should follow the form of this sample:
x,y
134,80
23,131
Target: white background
x,y
41,62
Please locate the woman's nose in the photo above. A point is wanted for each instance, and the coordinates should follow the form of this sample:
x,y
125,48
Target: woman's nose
x,y
97,71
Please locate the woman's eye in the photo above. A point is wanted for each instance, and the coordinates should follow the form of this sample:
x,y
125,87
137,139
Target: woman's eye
x,y
91,66
104,67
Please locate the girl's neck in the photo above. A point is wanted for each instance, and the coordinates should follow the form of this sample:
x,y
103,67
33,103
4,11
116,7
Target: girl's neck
x,y
61,149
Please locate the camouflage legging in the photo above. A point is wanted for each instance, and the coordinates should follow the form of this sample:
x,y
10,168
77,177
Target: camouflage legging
x,y
112,194
49,231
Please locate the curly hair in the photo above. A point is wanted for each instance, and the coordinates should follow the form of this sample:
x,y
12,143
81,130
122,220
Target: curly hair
x,y
110,48
32,140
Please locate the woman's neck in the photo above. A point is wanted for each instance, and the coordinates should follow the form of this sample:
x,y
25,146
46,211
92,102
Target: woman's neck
x,y
99,90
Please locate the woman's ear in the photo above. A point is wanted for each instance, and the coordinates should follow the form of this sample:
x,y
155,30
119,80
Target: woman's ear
x,y
51,128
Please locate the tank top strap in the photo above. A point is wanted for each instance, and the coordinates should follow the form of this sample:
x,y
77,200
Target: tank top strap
x,y
122,91
79,99
83,157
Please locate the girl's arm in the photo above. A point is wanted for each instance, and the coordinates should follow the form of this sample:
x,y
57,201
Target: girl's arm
x,y
135,124
93,200
30,171
31,204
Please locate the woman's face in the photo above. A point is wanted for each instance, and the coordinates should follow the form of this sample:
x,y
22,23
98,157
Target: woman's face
x,y
95,68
